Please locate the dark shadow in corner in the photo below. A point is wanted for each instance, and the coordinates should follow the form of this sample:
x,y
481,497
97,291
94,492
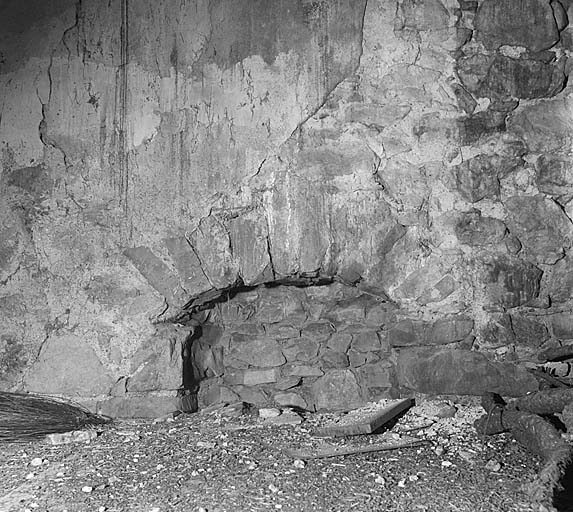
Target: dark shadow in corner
x,y
563,496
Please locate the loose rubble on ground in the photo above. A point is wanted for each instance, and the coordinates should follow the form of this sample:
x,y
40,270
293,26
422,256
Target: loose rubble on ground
x,y
429,457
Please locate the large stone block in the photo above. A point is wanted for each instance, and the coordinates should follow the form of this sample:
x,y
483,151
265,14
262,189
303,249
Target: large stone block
x,y
541,226
158,364
250,242
211,243
260,351
501,77
157,274
560,285
555,176
528,331
528,23
461,372
188,266
477,231
337,390
508,281
67,365
477,178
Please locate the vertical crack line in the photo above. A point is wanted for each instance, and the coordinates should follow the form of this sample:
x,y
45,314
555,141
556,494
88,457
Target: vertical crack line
x,y
123,160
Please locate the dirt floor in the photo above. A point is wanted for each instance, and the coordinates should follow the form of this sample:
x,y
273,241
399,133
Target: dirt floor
x,y
232,459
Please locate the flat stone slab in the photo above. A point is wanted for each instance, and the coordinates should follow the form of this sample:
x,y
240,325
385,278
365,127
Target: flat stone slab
x,y
365,420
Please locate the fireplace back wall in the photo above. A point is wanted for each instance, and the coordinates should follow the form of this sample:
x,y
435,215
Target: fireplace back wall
x,y
351,199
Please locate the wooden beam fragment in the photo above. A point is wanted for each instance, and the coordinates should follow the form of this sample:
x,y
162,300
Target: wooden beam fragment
x,y
340,451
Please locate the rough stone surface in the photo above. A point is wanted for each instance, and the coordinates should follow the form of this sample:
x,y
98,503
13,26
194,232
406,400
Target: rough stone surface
x,y
350,167
465,371
338,390
541,226
509,281
528,23
68,365
262,352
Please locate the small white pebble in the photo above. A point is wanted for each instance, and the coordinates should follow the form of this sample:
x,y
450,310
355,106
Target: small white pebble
x,y
446,464
87,488
278,506
159,466
29,476
298,463
413,478
439,450
201,509
273,488
102,509
402,483
380,480
36,461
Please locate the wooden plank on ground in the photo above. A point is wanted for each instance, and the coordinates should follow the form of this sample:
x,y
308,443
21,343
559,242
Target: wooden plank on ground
x,y
364,420
339,451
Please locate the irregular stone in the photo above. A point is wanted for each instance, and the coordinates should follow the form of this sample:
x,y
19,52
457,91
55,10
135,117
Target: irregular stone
x,y
528,331
318,331
509,282
350,310
357,359
255,377
506,78
278,303
562,325
407,333
528,23
541,226
157,274
212,392
263,352
378,375
461,372
207,360
299,370
439,291
380,314
449,330
477,178
290,400
477,231
188,267
137,406
157,364
211,243
250,243
555,176
560,283
331,359
282,331
366,341
67,365
337,390
465,100
470,129
304,349
252,395
545,125
376,115
424,281
430,15
288,383
497,332
339,342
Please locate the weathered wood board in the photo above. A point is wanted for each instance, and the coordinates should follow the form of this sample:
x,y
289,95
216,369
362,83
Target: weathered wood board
x,y
339,451
364,420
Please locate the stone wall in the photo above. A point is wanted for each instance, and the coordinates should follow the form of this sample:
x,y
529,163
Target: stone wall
x,y
376,193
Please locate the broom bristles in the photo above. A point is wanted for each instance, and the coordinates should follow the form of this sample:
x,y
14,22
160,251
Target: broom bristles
x,y
31,416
